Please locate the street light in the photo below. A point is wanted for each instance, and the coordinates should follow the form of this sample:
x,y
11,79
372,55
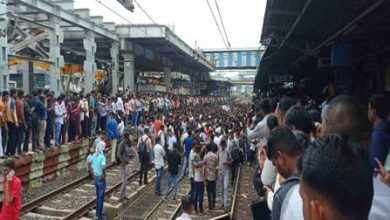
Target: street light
x,y
128,4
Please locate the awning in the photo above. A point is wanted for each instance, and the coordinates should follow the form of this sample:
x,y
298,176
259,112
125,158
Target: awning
x,y
296,30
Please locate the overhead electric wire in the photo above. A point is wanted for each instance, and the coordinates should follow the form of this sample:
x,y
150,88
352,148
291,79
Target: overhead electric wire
x,y
216,22
223,25
145,12
142,29
113,11
227,45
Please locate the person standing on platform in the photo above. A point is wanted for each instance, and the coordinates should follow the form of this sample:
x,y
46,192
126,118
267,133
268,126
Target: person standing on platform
x,y
112,133
65,126
21,121
97,165
12,122
124,154
58,120
29,122
12,190
159,154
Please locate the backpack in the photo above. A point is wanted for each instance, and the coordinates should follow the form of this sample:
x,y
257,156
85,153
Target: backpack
x,y
143,149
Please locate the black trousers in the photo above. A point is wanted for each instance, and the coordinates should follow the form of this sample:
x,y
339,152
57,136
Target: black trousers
x,y
234,170
192,188
35,133
49,132
64,130
103,121
4,139
144,171
198,196
211,192
20,138
12,137
85,127
72,129
26,138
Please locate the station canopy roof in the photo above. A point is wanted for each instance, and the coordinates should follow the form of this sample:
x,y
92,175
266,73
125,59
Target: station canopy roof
x,y
294,30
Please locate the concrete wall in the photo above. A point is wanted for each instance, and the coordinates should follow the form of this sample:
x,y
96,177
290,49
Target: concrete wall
x,y
42,166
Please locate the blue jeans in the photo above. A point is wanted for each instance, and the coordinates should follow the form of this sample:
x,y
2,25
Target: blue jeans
x,y
224,180
134,117
100,185
159,173
185,166
57,129
171,178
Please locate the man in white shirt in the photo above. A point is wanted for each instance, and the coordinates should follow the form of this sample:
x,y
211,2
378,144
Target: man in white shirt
x,y
261,129
187,208
171,140
120,107
218,138
159,155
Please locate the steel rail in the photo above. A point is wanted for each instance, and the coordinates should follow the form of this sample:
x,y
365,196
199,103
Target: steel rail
x,y
91,203
221,217
31,205
161,201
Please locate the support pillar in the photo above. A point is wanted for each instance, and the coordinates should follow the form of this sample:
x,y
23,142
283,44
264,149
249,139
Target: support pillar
x,y
56,37
89,63
167,79
114,66
129,72
4,47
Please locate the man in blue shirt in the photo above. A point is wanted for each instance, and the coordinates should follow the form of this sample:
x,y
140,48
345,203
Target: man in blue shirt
x,y
187,150
39,120
112,132
97,165
380,135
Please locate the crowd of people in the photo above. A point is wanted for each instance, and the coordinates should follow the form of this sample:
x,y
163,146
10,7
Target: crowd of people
x,y
199,143
322,161
41,117
309,160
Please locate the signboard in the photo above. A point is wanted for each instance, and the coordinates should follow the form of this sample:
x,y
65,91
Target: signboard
x,y
280,78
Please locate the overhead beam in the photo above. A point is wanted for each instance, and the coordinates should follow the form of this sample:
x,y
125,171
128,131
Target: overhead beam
x,y
342,30
278,27
283,12
28,20
297,20
67,16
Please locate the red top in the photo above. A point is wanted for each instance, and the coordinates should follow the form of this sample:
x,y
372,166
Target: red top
x,y
11,211
157,126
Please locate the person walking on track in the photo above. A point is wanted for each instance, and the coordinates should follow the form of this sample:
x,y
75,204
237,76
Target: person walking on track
x,y
144,149
124,154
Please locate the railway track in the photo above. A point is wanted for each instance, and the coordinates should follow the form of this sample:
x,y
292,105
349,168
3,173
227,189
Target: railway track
x,y
75,199
151,206
216,214
35,203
